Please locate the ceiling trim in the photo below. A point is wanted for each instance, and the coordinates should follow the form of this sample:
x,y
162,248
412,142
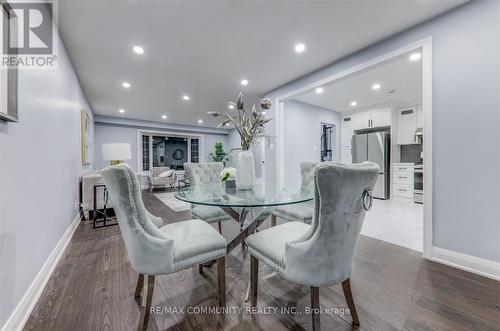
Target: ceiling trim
x,y
111,120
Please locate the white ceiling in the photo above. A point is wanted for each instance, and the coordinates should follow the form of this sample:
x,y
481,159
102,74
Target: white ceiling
x,y
400,74
204,48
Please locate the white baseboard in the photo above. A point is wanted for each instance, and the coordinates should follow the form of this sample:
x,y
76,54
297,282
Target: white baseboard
x,y
465,262
20,315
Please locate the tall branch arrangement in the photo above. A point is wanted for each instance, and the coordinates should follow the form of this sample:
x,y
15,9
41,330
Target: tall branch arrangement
x,y
249,124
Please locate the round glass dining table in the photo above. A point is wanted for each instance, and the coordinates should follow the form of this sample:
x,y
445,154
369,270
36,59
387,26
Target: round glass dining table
x,y
247,207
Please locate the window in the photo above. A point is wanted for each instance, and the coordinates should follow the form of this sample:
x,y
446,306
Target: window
x,y
145,152
195,150
171,151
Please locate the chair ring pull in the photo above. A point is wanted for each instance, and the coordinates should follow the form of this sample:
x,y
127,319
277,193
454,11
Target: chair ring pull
x,y
367,199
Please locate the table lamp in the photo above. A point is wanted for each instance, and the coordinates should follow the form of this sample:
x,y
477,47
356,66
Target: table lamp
x,y
116,153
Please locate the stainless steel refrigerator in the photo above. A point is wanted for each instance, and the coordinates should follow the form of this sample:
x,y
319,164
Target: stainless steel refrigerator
x,y
374,147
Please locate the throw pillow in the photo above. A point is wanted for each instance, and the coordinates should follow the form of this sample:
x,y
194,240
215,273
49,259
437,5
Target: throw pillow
x,y
167,173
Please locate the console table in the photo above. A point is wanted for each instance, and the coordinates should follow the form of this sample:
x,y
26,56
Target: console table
x,y
100,216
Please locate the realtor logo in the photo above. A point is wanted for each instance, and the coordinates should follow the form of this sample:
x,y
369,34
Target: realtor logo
x,y
29,34
34,29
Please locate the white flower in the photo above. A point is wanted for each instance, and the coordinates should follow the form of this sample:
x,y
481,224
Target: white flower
x,y
227,173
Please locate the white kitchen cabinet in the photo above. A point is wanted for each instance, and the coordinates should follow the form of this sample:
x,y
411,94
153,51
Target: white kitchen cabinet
x,y
403,180
402,191
345,154
372,119
380,118
407,125
420,117
346,131
361,120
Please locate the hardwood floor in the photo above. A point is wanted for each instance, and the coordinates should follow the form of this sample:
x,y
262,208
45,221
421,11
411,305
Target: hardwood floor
x,y
92,288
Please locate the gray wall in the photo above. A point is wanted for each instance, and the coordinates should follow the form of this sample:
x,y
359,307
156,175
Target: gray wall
x,y
303,134
466,123
40,169
120,133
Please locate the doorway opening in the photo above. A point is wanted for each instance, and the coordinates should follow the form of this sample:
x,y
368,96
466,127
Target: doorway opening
x,y
328,132
384,110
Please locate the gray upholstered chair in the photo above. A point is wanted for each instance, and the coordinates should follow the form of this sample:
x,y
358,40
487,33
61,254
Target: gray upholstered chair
x,y
157,179
322,253
301,212
154,250
206,173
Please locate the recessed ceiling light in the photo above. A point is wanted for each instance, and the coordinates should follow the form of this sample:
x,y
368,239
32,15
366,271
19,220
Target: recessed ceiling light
x,y
138,50
319,90
121,111
200,121
164,117
375,86
126,84
415,56
186,97
244,82
231,106
299,48
354,103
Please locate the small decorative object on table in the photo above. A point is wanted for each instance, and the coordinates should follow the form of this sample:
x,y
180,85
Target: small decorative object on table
x,y
250,126
227,177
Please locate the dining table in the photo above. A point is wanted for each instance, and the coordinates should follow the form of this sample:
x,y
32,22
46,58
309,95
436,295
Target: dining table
x,y
249,208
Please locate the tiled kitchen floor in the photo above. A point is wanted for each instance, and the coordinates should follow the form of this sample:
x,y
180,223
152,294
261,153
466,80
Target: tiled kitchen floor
x,y
396,221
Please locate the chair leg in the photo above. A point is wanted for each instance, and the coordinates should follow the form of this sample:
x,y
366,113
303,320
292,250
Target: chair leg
x,y
273,220
200,268
221,275
146,304
254,280
316,318
243,245
139,287
346,286
220,227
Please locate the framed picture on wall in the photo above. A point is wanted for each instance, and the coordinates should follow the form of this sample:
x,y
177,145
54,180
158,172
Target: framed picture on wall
x,y
87,127
8,76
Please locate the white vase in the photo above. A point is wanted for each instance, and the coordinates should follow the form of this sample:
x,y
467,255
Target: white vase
x,y
245,170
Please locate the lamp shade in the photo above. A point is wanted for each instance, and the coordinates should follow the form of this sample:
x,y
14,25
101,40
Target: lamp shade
x,y
120,151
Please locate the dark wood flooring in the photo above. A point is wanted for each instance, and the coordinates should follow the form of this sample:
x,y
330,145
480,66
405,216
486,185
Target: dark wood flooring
x,y
92,288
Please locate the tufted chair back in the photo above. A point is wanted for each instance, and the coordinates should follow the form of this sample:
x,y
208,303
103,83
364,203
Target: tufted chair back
x,y
203,173
150,251
307,176
340,194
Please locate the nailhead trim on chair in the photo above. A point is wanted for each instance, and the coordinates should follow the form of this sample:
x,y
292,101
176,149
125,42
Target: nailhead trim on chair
x,y
188,262
280,267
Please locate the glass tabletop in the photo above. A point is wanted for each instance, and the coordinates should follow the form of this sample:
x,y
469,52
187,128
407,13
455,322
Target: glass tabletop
x,y
263,194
